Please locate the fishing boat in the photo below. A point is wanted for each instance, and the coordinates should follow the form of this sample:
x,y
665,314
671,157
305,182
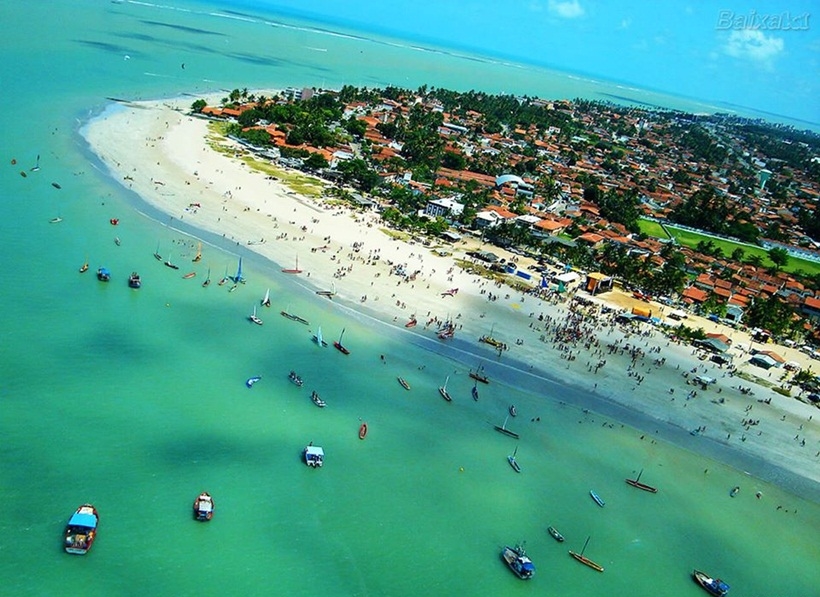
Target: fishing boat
x,y
103,275
224,278
513,462
636,482
503,429
474,391
207,281
252,317
56,220
362,430
204,507
412,323
443,390
516,558
266,299
295,379
56,185
597,498
134,280
317,400
584,560
198,257
81,530
170,263
555,534
513,411
294,317
317,337
735,491
238,278
713,586
479,376
403,383
84,267
252,380
189,275
314,456
338,344
328,293
293,270
157,256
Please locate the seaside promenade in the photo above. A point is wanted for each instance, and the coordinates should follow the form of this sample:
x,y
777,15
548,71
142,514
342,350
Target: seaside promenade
x,y
169,159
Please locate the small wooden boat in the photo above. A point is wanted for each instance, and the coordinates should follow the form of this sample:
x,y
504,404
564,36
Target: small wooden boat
x,y
198,257
81,530
55,185
503,429
84,267
584,560
443,390
412,323
474,391
223,279
157,256
597,498
362,430
713,586
117,241
293,270
103,275
252,317
479,376
517,560
636,482
513,411
189,275
403,383
252,380
204,507
735,491
555,534
171,264
317,400
114,221
295,379
134,280
513,462
294,317
339,346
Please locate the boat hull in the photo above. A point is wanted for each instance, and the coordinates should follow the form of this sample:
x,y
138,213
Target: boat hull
x,y
643,486
81,530
363,431
518,562
586,561
203,507
713,586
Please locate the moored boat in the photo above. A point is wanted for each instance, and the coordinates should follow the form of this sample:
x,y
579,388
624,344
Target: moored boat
x,y
474,392
189,275
735,491
443,390
584,560
412,323
478,375
317,337
292,270
513,411
503,429
403,383
252,380
294,378
518,561
713,586
555,534
636,482
103,275
513,462
252,317
339,346
204,507
317,400
84,267
134,280
81,530
597,498
362,430
294,317
266,299
314,456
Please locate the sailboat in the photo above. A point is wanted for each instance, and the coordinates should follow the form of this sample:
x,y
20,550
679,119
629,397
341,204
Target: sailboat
x,y
443,390
207,281
224,278
584,560
503,429
328,293
339,346
636,482
36,166
254,318
238,277
157,256
170,264
266,300
293,270
513,462
479,375
198,256
318,338
294,317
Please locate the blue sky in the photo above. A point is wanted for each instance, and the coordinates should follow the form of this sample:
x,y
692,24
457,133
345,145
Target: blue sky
x,y
758,54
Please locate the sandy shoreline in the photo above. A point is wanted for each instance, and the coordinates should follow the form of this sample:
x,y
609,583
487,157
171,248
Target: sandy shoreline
x,y
157,151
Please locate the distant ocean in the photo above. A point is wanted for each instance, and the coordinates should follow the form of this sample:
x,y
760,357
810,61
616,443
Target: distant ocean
x,y
136,401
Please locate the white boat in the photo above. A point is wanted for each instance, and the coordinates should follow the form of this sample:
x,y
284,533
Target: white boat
x,y
266,300
314,456
254,318
513,462
443,390
318,338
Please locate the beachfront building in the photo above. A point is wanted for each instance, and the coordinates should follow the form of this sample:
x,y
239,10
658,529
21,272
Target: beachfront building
x,y
446,207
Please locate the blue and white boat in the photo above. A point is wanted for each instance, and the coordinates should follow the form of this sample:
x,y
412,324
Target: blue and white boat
x,y
103,275
597,498
516,558
713,586
81,530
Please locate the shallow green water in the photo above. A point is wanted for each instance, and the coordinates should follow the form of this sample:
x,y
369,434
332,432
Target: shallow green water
x,y
135,400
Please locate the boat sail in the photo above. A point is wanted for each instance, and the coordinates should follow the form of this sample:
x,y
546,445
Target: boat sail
x,y
513,462
238,277
339,346
157,256
443,390
254,318
318,338
293,270
266,300
503,429
208,279
198,256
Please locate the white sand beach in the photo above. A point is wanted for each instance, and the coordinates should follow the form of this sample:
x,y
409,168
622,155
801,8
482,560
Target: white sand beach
x,y
161,153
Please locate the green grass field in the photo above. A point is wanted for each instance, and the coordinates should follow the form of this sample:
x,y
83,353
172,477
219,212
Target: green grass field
x,y
690,239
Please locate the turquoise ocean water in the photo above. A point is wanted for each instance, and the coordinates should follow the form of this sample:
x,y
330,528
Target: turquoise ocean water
x,y
135,400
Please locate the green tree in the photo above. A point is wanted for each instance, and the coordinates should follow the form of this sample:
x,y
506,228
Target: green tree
x,y
779,257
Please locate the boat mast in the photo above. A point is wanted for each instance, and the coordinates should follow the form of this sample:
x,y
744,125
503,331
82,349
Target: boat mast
x,y
585,545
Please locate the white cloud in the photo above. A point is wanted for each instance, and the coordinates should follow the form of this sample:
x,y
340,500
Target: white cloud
x,y
567,9
753,44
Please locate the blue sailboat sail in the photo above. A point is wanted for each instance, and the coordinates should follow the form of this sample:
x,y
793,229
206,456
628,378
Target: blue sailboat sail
x,y
238,277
